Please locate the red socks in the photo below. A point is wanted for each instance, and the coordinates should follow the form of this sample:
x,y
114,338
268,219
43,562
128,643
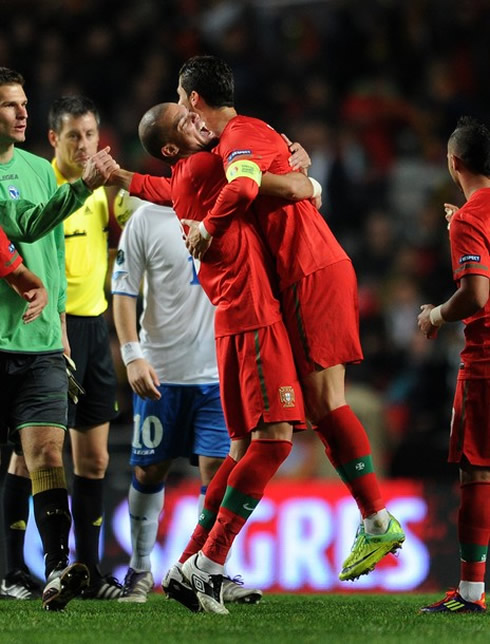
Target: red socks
x,y
474,529
212,501
246,485
347,447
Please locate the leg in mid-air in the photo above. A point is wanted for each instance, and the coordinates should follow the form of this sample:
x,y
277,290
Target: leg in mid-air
x,y
323,344
348,449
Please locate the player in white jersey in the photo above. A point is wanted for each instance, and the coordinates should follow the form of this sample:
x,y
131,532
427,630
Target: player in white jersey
x,y
172,371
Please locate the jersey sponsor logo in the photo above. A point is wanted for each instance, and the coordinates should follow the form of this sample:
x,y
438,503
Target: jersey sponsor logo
x,y
469,258
287,397
120,256
13,192
11,248
238,153
9,177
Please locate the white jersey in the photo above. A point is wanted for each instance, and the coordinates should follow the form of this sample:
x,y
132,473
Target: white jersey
x,y
177,323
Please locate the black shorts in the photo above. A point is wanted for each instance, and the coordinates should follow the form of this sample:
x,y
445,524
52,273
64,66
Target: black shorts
x,y
91,352
33,391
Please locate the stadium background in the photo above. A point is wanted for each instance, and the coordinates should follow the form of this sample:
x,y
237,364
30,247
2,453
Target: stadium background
x,y
372,90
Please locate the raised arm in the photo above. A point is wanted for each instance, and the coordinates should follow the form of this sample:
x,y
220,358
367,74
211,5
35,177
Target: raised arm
x,y
26,222
145,186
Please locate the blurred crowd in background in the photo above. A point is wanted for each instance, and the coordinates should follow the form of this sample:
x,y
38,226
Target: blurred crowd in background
x,y
371,88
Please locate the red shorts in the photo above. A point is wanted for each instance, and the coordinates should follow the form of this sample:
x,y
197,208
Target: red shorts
x,y
470,423
321,313
258,379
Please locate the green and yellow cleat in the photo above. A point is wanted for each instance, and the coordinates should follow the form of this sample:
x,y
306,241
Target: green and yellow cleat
x,y
368,549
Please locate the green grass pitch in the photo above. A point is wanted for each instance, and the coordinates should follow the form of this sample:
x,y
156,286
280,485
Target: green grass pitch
x,y
278,619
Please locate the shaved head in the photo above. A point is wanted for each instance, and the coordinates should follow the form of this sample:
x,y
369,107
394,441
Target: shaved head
x,y
155,129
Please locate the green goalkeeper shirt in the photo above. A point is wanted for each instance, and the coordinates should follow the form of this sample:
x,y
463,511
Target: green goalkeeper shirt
x,y
31,211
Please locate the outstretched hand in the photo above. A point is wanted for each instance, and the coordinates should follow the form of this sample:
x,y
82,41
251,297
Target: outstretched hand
x,y
99,168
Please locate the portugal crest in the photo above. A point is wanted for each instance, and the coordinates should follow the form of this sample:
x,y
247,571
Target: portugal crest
x,y
287,397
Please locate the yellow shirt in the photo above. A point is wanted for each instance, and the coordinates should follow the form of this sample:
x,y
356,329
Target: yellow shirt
x,y
86,234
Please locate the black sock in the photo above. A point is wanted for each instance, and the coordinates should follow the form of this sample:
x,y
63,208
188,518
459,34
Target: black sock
x,y
16,493
87,507
53,522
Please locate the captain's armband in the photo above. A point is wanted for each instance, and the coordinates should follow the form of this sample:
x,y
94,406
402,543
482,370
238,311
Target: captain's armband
x,y
244,168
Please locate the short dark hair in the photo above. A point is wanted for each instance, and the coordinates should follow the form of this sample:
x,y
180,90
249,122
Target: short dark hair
x,y
211,78
10,77
470,142
72,105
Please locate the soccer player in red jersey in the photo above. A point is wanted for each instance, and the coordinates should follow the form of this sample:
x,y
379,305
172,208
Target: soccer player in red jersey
x,y
21,279
469,445
260,390
318,292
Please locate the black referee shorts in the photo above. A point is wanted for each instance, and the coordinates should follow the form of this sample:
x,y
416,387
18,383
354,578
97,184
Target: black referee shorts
x,y
33,391
91,352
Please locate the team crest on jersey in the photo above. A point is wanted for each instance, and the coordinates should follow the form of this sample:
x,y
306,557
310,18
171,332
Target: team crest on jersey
x,y
287,397
469,258
11,248
120,256
13,192
238,153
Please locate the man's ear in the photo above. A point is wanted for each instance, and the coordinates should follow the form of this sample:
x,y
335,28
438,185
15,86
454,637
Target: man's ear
x,y
52,137
194,99
169,150
456,163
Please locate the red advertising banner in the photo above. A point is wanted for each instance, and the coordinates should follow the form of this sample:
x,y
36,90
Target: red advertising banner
x,y
298,537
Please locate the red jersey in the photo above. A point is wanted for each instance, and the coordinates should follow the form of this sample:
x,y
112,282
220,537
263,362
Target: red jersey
x,y
469,235
9,257
155,189
233,272
297,235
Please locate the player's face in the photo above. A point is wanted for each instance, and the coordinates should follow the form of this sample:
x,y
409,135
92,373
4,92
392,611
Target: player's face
x,y
190,133
77,140
13,115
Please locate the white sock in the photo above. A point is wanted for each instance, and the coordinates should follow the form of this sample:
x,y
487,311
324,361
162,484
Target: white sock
x,y
208,565
144,515
471,591
377,523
